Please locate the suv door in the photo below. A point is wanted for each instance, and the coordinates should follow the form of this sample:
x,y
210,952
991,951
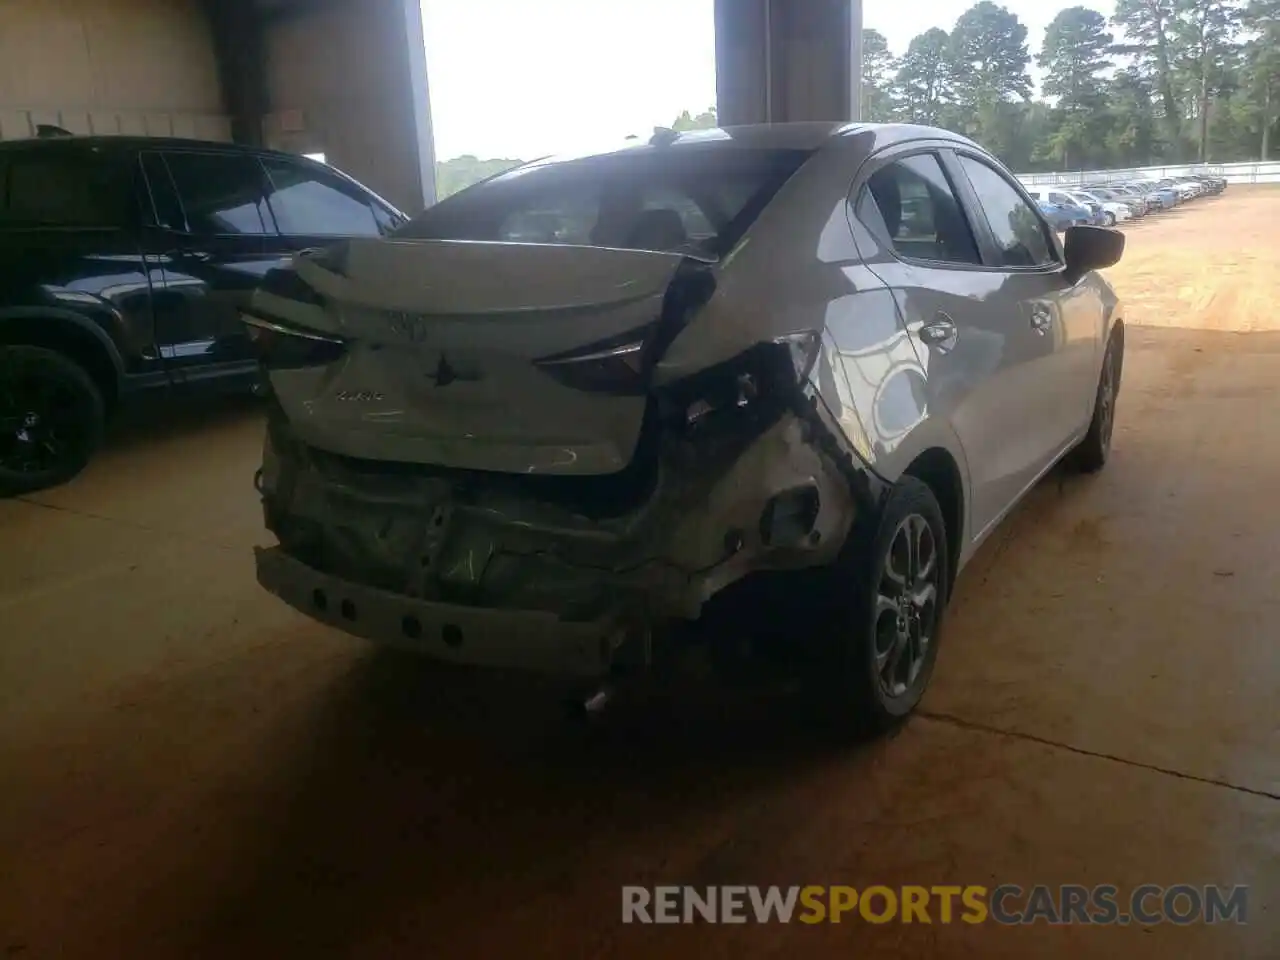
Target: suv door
x,y
211,238
928,251
70,213
1058,325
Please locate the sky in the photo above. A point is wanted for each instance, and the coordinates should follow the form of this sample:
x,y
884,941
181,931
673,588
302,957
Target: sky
x,y
524,78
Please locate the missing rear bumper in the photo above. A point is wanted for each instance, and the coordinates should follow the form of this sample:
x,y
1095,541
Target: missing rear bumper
x,y
531,640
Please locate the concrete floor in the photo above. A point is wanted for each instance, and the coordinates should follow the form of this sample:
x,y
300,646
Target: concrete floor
x,y
189,769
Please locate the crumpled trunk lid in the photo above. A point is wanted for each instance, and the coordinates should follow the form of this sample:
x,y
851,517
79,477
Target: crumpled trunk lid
x,y
441,343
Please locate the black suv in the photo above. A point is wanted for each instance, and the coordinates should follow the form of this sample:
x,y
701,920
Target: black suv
x,y
124,263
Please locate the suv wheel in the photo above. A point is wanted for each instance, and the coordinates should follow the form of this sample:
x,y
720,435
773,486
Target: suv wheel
x,y
51,418
881,628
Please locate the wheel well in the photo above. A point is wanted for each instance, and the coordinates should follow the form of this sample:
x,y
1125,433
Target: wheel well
x,y
70,341
938,469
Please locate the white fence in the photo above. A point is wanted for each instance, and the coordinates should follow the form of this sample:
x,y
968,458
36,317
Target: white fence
x,y
1268,172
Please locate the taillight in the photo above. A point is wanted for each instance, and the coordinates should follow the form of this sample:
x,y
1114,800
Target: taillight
x,y
755,385
616,366
283,347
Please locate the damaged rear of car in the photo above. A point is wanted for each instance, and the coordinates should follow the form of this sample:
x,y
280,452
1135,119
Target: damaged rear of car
x,y
491,438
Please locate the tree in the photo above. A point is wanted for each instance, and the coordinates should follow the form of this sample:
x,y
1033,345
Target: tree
x,y
706,120
1075,52
1131,140
878,67
1262,64
1148,26
989,56
1205,32
461,172
989,63
923,86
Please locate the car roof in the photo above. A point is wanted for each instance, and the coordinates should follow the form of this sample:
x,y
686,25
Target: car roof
x,y
135,142
805,135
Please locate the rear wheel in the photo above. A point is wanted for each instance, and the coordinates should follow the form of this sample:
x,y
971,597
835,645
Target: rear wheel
x,y
1108,219
883,613
51,418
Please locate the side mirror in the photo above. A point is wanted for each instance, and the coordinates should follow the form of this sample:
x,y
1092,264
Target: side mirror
x,y
1091,248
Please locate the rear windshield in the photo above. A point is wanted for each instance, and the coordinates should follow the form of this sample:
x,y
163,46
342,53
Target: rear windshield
x,y
696,201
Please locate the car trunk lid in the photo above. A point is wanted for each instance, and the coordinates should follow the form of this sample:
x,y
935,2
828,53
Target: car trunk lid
x,y
443,340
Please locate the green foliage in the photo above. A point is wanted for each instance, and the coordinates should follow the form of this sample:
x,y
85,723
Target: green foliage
x,y
704,121
461,172
1164,81
923,88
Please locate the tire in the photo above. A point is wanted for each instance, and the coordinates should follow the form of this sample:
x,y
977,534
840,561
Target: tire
x,y
1094,450
865,627
52,418
1108,219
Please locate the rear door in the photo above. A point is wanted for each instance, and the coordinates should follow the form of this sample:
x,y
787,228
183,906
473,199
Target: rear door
x,y
973,348
211,240
1056,325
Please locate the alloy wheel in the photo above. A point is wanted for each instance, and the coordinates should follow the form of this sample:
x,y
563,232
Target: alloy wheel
x,y
906,612
40,428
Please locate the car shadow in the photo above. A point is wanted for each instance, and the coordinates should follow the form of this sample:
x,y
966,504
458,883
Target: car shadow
x,y
422,790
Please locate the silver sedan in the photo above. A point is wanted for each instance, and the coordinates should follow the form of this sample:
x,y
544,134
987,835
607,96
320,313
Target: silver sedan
x,y
797,370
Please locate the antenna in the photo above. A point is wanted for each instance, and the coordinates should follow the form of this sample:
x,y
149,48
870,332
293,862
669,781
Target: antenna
x,y
52,130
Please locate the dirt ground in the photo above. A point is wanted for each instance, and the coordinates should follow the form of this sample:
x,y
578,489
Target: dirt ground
x,y
189,769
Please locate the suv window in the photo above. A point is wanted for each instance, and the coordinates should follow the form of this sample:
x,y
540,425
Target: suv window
x,y
912,201
64,188
220,193
310,202
1017,228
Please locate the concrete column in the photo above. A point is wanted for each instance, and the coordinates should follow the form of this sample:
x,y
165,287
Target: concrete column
x,y
237,32
784,60
349,78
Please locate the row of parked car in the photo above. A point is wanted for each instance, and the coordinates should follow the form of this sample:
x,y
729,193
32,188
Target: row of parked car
x,y
1110,203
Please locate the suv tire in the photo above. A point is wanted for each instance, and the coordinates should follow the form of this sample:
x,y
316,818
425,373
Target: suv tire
x,y
52,418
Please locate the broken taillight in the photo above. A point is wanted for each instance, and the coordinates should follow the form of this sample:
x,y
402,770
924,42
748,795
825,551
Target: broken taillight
x,y
757,383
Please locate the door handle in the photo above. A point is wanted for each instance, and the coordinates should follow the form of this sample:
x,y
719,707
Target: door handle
x,y
1041,319
940,333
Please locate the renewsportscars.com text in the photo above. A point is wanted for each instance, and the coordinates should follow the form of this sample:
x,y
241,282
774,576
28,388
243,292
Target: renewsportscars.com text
x,y
1008,904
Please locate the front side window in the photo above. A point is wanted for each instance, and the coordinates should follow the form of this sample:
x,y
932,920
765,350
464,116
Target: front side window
x,y
1019,232
912,202
220,193
676,199
309,202
64,188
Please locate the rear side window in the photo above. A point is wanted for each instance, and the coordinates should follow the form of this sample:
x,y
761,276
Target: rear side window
x,y
1018,230
694,200
65,188
309,202
911,202
220,193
